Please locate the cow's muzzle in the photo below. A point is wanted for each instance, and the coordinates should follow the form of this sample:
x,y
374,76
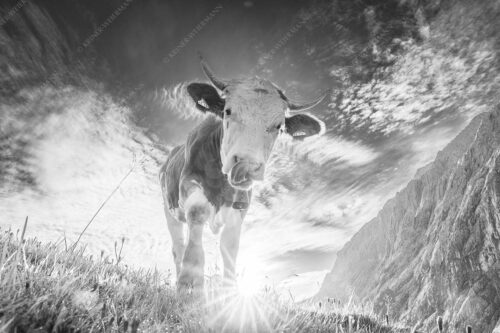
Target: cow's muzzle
x,y
243,174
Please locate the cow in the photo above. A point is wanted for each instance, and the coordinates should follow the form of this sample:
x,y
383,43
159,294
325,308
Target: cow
x,y
210,177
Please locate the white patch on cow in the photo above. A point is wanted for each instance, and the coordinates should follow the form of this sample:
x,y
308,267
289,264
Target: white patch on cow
x,y
203,103
197,198
251,129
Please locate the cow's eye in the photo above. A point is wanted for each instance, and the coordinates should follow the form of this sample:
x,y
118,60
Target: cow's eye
x,y
228,112
273,129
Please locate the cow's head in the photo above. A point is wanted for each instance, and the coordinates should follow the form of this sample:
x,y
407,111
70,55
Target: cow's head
x,y
254,112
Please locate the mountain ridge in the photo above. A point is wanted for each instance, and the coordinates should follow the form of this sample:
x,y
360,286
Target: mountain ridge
x,y
433,250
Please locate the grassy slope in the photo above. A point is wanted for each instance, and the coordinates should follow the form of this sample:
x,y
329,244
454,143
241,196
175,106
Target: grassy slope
x,y
44,287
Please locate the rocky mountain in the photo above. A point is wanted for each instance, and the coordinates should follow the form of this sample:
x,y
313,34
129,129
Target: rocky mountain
x,y
434,249
43,43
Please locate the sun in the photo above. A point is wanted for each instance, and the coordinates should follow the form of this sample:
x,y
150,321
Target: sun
x,y
248,286
250,278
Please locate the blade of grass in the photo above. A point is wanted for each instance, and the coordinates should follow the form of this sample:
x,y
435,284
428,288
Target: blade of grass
x,y
102,206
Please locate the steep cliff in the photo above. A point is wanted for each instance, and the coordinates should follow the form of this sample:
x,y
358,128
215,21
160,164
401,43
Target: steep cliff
x,y
42,43
434,249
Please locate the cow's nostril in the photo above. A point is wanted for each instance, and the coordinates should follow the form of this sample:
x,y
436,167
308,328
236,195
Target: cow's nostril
x,y
236,159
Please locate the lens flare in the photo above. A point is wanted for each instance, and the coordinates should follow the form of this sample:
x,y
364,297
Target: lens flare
x,y
250,279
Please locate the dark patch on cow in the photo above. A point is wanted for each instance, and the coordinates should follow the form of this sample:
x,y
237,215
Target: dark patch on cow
x,y
240,205
301,126
198,214
170,174
199,160
202,91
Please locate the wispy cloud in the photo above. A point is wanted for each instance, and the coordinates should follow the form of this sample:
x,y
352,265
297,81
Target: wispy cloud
x,y
428,81
177,100
77,148
324,149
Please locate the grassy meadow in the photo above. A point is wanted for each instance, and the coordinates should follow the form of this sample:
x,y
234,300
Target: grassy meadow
x,y
58,288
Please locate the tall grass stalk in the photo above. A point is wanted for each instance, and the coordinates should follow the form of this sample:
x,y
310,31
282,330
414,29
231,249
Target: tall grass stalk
x,y
102,205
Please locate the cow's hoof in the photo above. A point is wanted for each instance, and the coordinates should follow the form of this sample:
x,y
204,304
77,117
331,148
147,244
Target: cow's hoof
x,y
188,284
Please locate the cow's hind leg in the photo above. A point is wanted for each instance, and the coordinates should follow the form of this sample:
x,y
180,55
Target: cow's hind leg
x,y
197,210
176,229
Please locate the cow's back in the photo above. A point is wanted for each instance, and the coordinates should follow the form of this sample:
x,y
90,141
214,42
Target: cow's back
x,y
170,174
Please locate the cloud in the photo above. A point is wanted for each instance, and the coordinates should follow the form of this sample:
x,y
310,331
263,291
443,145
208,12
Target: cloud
x,y
324,149
177,100
77,145
301,259
302,286
428,80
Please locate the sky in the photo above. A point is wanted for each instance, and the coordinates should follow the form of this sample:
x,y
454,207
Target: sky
x,y
399,91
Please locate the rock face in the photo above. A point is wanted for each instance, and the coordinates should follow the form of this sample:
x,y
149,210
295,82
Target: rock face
x,y
434,249
41,42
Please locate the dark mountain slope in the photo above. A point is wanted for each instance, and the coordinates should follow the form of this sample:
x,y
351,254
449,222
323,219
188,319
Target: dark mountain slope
x,y
434,249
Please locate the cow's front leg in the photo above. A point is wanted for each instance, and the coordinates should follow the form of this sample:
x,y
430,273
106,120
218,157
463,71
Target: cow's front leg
x,y
176,229
198,210
230,242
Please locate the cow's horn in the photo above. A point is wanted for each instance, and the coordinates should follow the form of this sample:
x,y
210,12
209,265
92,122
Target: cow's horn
x,y
220,84
296,107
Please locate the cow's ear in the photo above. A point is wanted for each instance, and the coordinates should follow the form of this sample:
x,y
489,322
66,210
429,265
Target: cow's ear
x,y
206,98
301,126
